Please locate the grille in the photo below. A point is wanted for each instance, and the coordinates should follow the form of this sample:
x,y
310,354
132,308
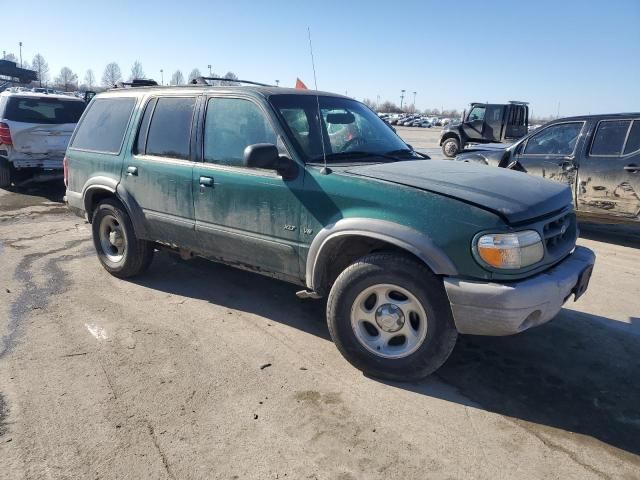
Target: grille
x,y
560,234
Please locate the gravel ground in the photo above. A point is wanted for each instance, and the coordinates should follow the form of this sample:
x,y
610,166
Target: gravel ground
x,y
197,370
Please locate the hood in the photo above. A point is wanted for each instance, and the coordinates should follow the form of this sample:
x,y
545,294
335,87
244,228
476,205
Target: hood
x,y
515,196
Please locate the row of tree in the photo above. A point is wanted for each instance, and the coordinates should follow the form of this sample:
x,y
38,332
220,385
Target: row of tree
x,y
390,107
67,80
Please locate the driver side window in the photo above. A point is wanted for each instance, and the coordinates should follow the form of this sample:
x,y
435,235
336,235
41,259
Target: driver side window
x,y
556,140
476,113
231,125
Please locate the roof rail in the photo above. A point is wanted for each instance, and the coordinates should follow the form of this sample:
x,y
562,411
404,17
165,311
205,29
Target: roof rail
x,y
518,102
203,81
138,82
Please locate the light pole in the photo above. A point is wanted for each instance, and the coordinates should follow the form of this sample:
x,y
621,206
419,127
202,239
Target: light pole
x,y
210,74
414,101
20,44
377,101
161,77
401,98
277,83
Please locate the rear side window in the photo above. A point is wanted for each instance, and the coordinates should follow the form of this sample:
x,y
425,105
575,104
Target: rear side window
x,y
102,128
633,140
170,129
609,138
141,139
43,110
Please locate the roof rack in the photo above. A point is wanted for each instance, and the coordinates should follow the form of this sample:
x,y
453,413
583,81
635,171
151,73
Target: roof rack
x,y
138,82
203,81
518,102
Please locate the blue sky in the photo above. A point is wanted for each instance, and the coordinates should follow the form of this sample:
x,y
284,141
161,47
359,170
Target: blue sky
x,y
583,54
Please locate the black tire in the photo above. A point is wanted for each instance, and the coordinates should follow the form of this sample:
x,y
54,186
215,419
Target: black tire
x,y
136,255
5,173
451,147
409,274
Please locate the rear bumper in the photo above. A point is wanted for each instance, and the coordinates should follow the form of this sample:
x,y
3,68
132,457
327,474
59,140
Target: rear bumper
x,y
481,308
75,203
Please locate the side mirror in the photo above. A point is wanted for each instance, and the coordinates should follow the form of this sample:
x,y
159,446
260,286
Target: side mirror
x,y
266,156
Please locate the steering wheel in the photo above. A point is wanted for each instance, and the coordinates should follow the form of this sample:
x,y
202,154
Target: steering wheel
x,y
349,143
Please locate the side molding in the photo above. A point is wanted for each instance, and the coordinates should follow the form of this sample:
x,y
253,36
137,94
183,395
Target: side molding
x,y
401,236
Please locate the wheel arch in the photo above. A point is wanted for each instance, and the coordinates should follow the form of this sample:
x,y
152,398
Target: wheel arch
x,y
337,245
450,134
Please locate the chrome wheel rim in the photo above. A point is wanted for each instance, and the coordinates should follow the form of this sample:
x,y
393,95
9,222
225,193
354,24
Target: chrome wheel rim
x,y
112,239
389,321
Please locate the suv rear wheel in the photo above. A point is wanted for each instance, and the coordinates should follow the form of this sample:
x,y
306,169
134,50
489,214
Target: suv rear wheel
x,y
5,173
451,147
390,317
118,249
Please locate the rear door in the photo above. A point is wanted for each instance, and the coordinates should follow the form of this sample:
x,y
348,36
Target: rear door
x,y
494,123
609,176
517,121
551,152
158,173
41,127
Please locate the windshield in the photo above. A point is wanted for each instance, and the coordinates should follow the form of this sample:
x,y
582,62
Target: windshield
x,y
349,128
43,110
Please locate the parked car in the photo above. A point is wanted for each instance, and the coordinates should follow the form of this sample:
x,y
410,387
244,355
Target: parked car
x,y
486,123
408,252
34,132
598,156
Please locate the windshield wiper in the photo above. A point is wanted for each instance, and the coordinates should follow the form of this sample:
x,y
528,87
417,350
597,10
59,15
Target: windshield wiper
x,y
402,151
356,154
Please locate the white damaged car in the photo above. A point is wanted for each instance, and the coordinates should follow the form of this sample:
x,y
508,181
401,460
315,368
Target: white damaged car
x,y
35,129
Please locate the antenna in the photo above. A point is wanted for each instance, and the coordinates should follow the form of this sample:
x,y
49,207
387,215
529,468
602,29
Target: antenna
x,y
325,170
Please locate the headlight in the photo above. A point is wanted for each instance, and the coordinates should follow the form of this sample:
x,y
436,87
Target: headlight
x,y
511,250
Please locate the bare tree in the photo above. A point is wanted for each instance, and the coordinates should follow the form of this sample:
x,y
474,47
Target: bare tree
x,y
11,57
369,103
89,79
230,77
389,107
177,78
66,79
136,71
40,65
195,73
111,75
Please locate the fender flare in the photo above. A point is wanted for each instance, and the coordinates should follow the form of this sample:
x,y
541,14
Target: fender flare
x,y
451,134
406,238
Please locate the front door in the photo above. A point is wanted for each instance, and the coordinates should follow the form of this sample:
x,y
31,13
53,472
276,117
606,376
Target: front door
x,y
550,153
247,216
473,126
609,176
158,176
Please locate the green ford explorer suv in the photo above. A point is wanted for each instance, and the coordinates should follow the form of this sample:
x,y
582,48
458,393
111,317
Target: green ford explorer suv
x,y
408,251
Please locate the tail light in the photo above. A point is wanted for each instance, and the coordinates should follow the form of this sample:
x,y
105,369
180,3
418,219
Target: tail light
x,y
5,134
65,168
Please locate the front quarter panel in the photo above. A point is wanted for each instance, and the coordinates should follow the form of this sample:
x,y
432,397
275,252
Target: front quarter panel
x,y
448,224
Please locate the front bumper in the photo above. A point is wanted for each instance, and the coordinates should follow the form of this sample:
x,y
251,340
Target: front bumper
x,y
481,308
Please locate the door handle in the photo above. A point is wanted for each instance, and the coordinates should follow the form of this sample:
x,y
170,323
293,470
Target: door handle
x,y
206,181
631,168
132,171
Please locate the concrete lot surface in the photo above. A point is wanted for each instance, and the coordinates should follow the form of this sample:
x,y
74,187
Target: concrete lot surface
x,y
199,371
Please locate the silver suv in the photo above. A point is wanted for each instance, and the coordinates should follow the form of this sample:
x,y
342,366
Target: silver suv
x,y
34,132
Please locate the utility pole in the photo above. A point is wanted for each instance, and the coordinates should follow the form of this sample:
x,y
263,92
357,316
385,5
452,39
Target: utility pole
x,y
558,115
210,74
161,77
377,100
401,98
414,101
20,44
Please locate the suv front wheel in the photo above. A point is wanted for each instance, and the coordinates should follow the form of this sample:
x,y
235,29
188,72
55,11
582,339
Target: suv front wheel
x,y
118,249
390,317
451,147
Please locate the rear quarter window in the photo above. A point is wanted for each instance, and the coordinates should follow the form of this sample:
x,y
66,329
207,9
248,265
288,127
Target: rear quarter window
x,y
610,137
102,128
50,111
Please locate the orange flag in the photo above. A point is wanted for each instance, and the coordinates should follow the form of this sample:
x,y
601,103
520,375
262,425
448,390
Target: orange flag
x,y
300,85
